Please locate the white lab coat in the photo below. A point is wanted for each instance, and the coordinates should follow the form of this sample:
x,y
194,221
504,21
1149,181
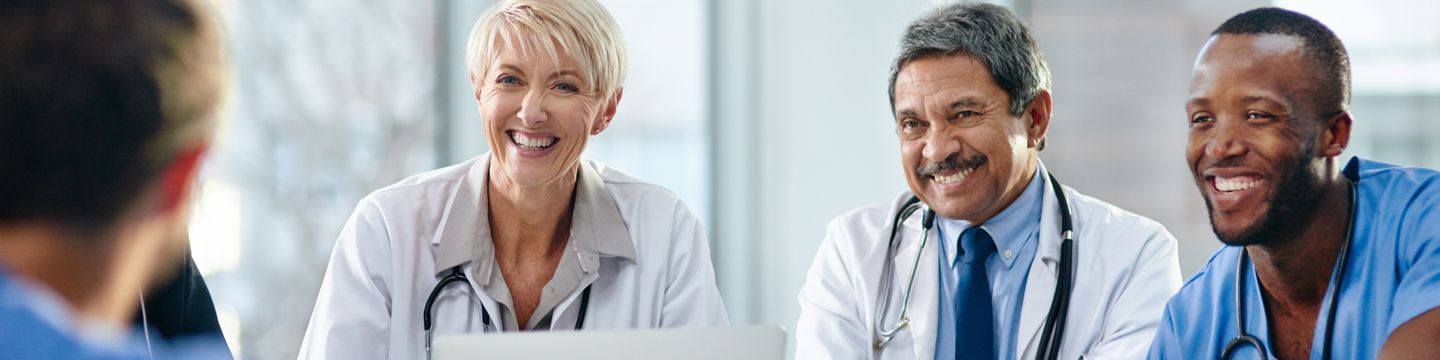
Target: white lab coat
x,y
384,266
1126,269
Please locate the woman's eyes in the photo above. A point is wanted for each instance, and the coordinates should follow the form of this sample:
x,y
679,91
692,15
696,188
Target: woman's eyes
x,y
514,80
567,87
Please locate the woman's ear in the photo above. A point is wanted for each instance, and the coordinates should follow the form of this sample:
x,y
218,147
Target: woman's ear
x,y
608,114
474,86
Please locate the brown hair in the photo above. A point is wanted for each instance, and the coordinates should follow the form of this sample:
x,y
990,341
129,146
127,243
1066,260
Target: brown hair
x,y
97,97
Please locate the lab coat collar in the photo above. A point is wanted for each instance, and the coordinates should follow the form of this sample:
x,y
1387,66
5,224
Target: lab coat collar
x,y
596,228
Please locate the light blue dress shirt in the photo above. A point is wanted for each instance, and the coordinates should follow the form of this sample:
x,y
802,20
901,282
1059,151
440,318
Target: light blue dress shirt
x,y
1393,276
1014,230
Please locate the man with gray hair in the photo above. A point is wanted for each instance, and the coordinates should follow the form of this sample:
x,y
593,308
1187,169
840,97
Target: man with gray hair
x,y
983,256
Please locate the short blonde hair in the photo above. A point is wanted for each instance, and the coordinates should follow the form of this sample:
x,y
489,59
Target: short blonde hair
x,y
582,28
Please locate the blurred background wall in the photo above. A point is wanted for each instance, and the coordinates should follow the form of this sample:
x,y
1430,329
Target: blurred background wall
x,y
768,117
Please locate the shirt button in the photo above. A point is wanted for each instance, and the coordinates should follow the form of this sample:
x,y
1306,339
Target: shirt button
x,y
1009,253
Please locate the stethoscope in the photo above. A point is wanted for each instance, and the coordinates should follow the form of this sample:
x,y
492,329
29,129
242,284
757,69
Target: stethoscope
x,y
1054,321
1243,338
457,276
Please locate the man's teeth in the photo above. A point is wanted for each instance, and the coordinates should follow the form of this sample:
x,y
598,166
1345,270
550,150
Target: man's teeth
x,y
950,179
1235,184
533,143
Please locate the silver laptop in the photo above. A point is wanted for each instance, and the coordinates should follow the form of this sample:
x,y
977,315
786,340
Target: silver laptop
x,y
751,342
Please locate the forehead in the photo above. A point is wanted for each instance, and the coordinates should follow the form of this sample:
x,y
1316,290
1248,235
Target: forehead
x,y
526,50
947,75
1251,63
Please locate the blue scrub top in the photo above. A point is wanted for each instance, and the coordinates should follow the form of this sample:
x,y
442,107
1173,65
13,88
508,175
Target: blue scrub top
x,y
30,329
1393,276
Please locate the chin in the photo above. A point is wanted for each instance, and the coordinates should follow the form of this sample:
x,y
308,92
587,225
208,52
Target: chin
x,y
1263,229
1235,237
950,210
1233,231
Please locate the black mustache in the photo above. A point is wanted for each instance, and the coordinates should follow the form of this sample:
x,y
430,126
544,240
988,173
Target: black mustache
x,y
952,162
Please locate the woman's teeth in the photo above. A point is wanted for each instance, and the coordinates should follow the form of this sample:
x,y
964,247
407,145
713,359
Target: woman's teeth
x,y
950,179
532,143
1235,184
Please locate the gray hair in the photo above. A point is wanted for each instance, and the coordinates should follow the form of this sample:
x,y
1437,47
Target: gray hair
x,y
992,35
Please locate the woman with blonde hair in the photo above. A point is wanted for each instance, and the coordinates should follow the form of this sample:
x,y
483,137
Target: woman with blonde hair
x,y
529,236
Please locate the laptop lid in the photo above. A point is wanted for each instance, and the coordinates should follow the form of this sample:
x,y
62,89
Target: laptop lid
x,y
749,342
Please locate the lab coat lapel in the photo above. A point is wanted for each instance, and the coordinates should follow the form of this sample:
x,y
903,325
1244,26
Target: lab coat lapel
x,y
1040,282
465,230
924,302
464,233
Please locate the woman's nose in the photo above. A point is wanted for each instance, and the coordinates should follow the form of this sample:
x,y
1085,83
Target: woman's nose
x,y
532,109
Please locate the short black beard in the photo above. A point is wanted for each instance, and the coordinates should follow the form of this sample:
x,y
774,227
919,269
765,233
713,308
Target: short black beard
x,y
1292,207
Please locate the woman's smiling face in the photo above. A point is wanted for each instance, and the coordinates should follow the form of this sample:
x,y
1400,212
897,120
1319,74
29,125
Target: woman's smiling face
x,y
539,112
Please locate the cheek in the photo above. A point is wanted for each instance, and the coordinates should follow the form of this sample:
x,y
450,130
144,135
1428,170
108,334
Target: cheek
x,y
1195,148
495,107
1002,144
576,117
910,149
912,154
1293,142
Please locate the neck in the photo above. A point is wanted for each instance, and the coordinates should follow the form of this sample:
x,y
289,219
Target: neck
x,y
1295,271
530,221
92,277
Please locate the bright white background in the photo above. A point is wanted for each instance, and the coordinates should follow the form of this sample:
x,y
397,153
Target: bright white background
x,y
768,117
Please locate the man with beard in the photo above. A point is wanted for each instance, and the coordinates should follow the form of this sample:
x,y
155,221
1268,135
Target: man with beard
x,y
972,262
1319,262
106,107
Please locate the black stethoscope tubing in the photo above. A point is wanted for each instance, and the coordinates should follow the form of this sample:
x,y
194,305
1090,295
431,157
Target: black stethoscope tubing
x,y
1059,304
457,276
1243,338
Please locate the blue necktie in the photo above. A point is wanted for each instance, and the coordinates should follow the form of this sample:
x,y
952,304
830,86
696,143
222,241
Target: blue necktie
x,y
974,315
